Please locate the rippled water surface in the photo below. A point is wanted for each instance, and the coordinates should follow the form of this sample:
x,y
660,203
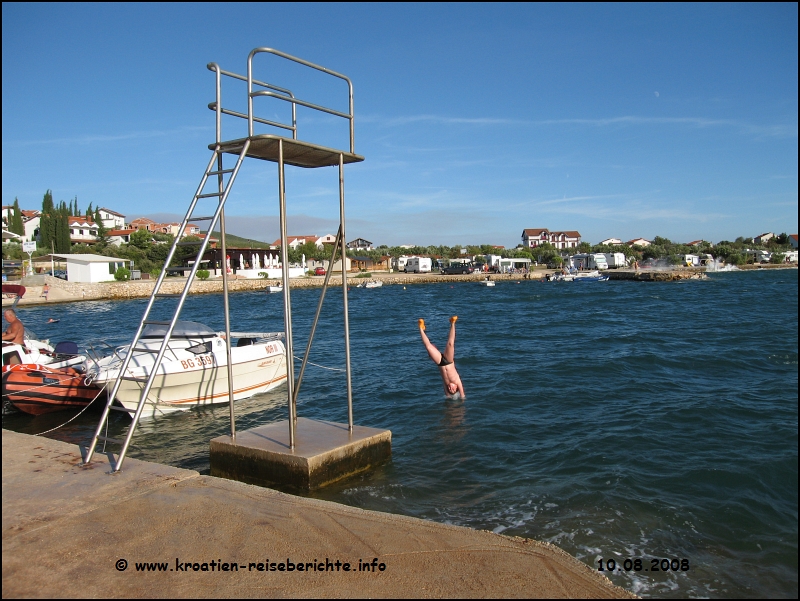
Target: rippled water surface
x,y
616,420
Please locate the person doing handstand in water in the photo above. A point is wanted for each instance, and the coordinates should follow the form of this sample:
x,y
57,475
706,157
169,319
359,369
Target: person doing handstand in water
x,y
447,369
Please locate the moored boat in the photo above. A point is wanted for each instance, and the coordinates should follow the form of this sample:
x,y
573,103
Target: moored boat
x,y
194,368
37,389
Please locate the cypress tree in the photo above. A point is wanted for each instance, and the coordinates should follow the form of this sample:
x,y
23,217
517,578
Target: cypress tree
x,y
47,221
101,228
15,224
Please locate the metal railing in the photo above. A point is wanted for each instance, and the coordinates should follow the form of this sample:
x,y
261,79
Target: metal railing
x,y
273,91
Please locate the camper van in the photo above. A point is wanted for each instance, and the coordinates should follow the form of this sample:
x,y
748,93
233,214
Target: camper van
x,y
615,260
399,263
590,261
691,260
418,265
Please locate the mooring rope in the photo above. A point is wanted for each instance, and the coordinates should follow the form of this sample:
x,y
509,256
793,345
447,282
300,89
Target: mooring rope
x,y
73,417
321,366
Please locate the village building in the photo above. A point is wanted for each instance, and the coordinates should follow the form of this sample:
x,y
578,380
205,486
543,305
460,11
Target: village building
x,y
295,241
763,238
111,219
82,230
359,244
793,240
639,242
143,223
326,240
532,238
611,242
118,237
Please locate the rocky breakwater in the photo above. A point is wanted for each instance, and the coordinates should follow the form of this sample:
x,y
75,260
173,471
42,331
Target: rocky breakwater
x,y
63,291
652,275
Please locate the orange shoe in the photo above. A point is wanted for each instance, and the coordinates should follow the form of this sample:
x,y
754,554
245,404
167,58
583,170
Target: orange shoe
x,y
421,324
454,318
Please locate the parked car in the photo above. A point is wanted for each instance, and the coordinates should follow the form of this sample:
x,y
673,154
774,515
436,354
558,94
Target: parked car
x,y
319,271
59,273
457,268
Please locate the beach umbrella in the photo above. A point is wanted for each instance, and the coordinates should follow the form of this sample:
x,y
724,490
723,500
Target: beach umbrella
x,y
241,261
253,261
303,262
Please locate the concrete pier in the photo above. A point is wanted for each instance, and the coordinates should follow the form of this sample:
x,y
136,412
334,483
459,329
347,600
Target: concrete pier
x,y
158,531
324,453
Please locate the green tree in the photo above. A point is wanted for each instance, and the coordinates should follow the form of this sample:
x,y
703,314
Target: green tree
x,y
102,232
15,225
47,221
141,239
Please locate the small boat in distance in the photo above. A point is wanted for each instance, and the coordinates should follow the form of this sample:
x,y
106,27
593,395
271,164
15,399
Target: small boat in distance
x,y
375,284
581,276
274,289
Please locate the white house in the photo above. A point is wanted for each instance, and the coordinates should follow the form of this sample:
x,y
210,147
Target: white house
x,y
82,230
531,238
117,237
793,240
611,242
295,241
88,269
763,238
359,244
111,219
326,239
639,242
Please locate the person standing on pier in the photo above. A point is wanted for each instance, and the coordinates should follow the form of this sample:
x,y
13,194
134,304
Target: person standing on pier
x,y
452,381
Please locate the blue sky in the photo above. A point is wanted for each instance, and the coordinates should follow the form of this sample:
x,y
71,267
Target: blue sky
x,y
476,121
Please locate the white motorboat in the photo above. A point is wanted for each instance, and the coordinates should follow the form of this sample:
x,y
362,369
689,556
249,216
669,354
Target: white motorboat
x,y
488,283
274,289
580,276
39,352
375,284
194,368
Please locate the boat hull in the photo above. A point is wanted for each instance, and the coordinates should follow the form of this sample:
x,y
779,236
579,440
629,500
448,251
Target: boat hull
x,y
37,389
183,384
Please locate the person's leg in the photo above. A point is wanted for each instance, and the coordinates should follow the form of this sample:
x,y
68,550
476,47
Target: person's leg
x,y
450,349
434,353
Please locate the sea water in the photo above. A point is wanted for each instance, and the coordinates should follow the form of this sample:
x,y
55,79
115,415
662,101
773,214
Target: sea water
x,y
617,420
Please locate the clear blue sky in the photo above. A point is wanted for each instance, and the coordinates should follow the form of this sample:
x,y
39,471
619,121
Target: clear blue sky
x,y
476,121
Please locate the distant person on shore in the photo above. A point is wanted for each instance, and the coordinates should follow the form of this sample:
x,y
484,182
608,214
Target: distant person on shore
x,y
453,387
45,291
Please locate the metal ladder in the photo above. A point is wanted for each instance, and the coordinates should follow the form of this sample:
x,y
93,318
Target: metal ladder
x,y
214,168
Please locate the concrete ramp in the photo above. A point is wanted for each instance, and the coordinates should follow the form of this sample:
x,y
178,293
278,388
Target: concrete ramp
x,y
157,531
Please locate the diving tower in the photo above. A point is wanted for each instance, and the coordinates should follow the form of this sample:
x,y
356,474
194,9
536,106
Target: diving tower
x,y
300,453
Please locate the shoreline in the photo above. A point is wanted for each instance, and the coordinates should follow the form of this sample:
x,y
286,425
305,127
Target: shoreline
x,y
62,291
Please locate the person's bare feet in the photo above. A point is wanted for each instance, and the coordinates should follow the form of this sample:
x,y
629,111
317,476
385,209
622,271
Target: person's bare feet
x,y
453,318
421,324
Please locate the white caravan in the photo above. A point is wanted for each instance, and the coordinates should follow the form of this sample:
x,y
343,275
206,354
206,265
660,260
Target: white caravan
x,y
418,265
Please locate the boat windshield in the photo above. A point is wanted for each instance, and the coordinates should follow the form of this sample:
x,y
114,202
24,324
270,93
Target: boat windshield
x,y
183,329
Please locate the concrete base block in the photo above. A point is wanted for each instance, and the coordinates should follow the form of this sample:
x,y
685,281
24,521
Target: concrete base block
x,y
324,452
